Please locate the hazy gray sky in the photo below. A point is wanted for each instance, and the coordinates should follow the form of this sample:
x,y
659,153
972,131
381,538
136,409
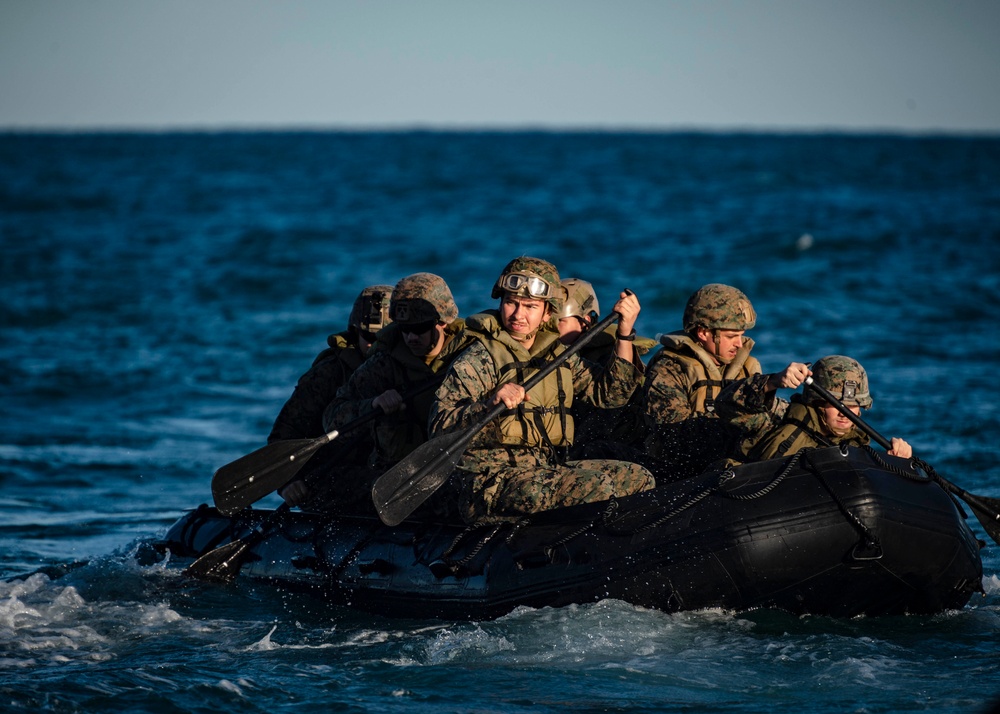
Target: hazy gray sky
x,y
908,65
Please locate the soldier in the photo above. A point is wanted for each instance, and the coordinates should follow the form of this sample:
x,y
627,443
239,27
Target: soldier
x,y
302,415
411,353
683,432
579,312
517,464
811,421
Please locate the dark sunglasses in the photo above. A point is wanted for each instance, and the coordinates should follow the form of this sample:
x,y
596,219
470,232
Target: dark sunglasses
x,y
418,328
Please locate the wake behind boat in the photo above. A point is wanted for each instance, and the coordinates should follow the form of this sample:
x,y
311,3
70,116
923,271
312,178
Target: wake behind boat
x,y
825,532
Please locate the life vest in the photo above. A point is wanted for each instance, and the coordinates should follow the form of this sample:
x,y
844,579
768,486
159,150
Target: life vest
x,y
802,427
544,420
704,377
342,349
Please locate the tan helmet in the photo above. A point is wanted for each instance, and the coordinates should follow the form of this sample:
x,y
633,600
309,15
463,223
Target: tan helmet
x,y
531,278
844,378
371,309
422,297
581,301
719,307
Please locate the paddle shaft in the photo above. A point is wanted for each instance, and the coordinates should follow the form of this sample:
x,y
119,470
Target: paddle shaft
x,y
846,411
436,471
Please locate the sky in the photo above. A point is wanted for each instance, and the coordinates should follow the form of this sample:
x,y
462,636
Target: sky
x,y
910,66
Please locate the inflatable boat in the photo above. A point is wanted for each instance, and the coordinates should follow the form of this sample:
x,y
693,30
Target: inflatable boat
x,y
836,532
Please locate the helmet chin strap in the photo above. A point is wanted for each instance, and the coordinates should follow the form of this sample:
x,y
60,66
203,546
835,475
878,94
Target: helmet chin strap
x,y
718,348
525,337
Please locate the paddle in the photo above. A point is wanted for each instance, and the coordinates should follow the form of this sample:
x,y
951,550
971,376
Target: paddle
x,y
249,478
400,490
223,564
987,509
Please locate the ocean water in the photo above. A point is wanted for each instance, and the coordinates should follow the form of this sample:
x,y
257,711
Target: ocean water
x,y
161,293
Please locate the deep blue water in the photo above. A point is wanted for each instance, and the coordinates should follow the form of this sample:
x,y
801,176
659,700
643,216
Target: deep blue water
x,y
160,295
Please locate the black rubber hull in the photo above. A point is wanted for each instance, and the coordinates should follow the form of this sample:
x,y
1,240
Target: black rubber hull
x,y
835,534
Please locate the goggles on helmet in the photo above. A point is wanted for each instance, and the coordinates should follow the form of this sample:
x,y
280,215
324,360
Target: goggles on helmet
x,y
535,286
372,309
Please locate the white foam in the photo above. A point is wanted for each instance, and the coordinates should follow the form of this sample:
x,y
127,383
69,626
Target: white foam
x,y
265,644
44,620
228,686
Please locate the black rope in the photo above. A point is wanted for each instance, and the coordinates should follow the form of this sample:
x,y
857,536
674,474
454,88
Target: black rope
x,y
604,516
516,529
772,484
914,476
864,531
676,512
454,544
455,565
716,489
478,547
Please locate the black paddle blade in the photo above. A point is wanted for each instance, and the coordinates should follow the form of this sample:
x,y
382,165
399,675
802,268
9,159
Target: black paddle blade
x,y
223,564
400,490
248,479
987,512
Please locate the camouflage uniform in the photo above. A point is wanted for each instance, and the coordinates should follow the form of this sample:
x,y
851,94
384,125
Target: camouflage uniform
x,y
516,464
594,424
622,423
803,425
683,431
301,417
418,298
392,365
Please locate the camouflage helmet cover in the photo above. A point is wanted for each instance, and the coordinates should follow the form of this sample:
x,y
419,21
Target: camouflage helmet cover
x,y
581,300
843,377
536,267
422,297
371,309
719,307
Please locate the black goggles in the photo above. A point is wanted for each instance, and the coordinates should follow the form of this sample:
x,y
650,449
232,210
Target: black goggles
x,y
531,284
418,328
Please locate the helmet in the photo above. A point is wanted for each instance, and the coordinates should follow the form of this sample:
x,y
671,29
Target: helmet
x,y
843,377
531,278
422,297
371,309
719,307
581,301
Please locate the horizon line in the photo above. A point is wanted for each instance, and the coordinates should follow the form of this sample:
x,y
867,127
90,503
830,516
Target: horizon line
x,y
526,128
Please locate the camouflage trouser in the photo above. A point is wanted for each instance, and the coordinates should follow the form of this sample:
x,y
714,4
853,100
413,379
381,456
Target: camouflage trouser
x,y
507,486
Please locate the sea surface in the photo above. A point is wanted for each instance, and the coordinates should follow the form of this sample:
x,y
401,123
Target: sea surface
x,y
161,293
